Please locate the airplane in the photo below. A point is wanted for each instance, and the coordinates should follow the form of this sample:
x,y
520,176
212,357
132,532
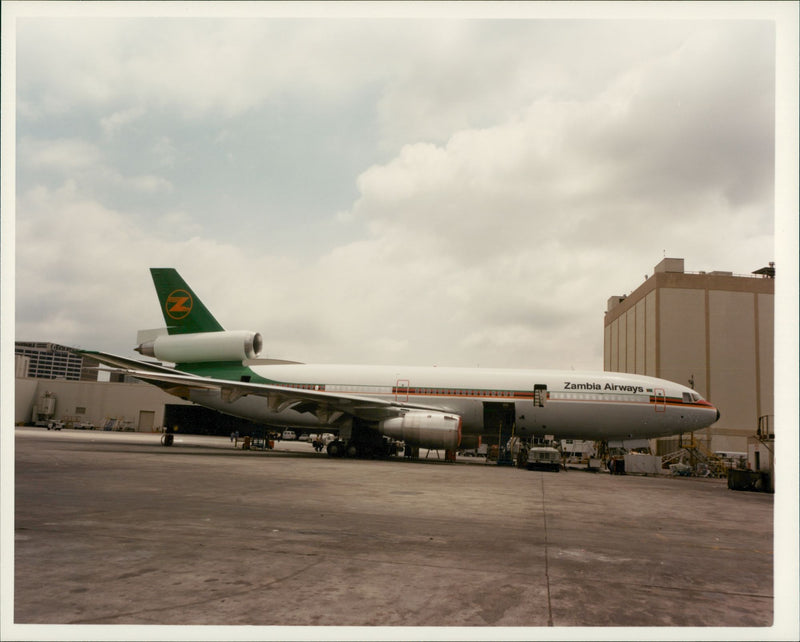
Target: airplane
x,y
371,406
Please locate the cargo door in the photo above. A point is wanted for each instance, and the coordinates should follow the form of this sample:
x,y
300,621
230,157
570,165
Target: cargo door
x,y
498,428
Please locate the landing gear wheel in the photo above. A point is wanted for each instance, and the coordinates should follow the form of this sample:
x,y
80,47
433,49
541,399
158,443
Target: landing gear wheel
x,y
352,450
335,448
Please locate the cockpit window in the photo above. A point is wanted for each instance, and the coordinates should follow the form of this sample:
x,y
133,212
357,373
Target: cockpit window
x,y
689,397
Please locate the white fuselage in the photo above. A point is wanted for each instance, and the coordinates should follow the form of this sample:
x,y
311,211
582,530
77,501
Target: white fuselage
x,y
565,404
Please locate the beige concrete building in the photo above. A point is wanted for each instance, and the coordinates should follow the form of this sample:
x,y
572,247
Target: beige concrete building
x,y
711,330
131,406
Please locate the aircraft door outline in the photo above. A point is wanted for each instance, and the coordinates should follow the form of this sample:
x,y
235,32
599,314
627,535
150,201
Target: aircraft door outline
x,y
401,390
539,395
660,399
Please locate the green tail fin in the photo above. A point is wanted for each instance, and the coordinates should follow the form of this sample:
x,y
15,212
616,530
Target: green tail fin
x,y
183,312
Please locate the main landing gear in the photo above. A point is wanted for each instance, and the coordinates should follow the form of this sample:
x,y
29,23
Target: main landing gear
x,y
336,448
363,442
362,450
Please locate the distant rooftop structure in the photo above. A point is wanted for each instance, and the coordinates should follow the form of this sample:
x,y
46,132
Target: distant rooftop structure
x,y
767,272
670,272
669,265
44,360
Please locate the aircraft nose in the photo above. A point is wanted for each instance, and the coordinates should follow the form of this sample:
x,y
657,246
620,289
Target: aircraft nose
x,y
718,415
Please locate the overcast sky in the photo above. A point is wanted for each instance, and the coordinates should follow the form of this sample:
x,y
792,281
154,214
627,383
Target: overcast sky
x,y
421,190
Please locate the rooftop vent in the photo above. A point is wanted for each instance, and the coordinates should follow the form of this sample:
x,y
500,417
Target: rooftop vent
x,y
615,300
670,265
767,272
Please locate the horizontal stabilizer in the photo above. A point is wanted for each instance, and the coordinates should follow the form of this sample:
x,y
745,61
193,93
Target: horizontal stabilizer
x,y
145,336
116,361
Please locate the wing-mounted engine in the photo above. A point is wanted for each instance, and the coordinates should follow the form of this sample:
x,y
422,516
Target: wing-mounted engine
x,y
435,430
235,345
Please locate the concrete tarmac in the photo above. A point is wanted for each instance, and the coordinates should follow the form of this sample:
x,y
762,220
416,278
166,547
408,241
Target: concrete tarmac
x,y
113,528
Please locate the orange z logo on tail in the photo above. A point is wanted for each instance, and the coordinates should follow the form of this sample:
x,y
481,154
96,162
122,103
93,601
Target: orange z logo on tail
x,y
178,305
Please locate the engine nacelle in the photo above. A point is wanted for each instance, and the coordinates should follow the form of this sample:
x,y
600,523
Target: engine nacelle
x,y
434,430
236,345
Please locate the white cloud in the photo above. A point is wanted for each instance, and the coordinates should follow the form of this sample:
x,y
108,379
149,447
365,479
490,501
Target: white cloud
x,y
149,184
64,155
568,175
85,163
82,269
120,119
513,176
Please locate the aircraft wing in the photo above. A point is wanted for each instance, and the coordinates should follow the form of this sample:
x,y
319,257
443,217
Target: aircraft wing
x,y
328,406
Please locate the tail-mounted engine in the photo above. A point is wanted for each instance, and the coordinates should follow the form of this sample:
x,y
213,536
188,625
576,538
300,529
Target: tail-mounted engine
x,y
435,430
236,345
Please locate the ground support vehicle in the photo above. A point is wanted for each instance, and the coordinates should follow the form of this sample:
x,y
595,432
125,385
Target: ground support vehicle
x,y
543,458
